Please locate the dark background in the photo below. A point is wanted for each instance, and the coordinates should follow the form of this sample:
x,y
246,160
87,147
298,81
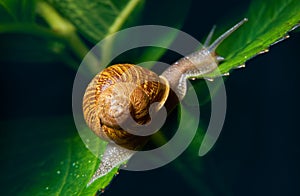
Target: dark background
x,y
258,150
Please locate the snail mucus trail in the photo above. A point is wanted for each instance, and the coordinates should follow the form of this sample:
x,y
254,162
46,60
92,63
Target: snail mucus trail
x,y
123,98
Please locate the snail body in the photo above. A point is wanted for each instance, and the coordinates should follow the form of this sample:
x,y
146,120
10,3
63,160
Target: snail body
x,y
123,98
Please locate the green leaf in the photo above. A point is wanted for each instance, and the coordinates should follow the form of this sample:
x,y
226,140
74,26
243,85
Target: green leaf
x,y
175,20
96,19
92,28
269,22
16,10
51,159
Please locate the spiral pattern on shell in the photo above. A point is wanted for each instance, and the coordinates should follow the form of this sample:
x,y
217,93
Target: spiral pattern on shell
x,y
117,93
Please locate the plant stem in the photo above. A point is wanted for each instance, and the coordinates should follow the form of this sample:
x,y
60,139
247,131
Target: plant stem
x,y
67,30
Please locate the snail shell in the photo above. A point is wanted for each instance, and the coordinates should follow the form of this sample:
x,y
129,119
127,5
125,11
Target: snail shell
x,y
120,92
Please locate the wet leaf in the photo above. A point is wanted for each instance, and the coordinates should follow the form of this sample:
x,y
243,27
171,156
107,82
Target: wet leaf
x,y
268,23
61,164
96,19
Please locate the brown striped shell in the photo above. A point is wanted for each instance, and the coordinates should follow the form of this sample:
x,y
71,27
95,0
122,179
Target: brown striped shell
x,y
120,92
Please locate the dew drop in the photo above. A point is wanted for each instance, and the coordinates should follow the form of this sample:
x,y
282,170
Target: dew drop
x,y
89,161
226,74
241,66
264,51
281,39
209,79
58,172
295,27
219,58
47,188
73,164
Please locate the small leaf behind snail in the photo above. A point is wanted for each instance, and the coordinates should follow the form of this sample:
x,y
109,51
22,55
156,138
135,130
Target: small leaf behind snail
x,y
122,95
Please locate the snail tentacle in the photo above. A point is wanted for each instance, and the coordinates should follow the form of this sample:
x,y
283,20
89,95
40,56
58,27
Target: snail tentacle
x,y
198,63
208,39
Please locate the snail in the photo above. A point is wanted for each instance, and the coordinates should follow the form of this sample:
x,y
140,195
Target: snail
x,y
123,99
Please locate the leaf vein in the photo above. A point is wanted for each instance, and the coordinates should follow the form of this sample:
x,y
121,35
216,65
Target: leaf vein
x,y
67,170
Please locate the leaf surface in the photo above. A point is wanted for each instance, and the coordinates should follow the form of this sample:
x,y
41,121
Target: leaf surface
x,y
268,23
